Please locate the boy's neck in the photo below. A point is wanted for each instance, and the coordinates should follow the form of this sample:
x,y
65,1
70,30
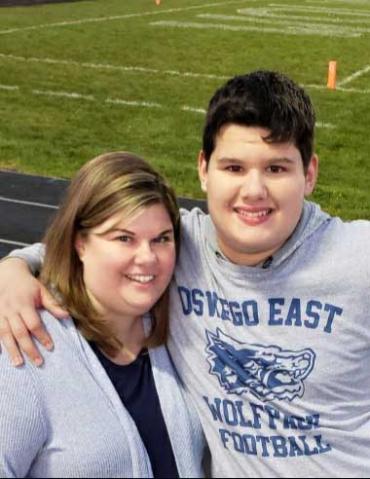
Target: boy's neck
x,y
251,260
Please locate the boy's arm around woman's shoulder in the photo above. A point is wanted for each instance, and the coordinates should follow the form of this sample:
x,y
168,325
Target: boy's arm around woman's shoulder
x,y
20,295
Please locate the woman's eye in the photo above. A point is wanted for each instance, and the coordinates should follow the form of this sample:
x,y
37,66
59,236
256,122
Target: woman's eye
x,y
162,239
124,238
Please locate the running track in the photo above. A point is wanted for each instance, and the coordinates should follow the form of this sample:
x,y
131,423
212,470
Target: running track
x,y
27,204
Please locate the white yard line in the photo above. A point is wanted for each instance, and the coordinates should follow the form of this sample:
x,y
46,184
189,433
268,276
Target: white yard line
x,y
9,87
202,111
28,203
145,104
14,243
339,88
328,126
193,109
159,11
103,66
129,103
300,22
354,90
354,76
63,94
288,30
332,11
274,13
358,2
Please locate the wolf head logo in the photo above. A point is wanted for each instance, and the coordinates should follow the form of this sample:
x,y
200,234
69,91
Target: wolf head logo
x,y
267,372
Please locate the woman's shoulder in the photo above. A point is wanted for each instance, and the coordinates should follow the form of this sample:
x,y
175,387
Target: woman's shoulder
x,y
61,331
55,325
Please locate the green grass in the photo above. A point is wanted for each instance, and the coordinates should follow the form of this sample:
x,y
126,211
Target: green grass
x,y
53,136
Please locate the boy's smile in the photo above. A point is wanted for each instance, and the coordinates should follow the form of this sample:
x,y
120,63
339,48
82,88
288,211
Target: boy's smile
x,y
255,192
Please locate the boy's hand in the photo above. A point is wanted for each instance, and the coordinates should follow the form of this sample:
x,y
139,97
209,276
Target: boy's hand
x,y
20,295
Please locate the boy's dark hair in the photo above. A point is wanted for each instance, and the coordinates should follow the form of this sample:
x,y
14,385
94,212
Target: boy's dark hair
x,y
263,99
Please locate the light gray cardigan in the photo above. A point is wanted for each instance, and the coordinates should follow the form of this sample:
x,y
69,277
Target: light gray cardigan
x,y
65,419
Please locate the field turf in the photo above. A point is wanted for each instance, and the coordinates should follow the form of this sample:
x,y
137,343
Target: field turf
x,y
78,79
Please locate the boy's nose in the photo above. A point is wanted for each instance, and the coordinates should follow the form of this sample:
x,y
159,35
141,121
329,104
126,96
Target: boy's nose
x,y
254,186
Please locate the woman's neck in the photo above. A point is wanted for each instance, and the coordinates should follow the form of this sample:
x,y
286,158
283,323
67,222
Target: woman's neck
x,y
130,333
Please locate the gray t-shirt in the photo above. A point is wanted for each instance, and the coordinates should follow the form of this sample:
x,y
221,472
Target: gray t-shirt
x,y
276,357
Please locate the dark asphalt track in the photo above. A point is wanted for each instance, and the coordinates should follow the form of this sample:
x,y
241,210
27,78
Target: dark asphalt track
x,y
27,204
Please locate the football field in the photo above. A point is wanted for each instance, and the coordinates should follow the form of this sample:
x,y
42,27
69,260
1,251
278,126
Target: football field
x,y
78,79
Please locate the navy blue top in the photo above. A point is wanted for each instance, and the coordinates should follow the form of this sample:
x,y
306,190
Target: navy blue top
x,y
135,385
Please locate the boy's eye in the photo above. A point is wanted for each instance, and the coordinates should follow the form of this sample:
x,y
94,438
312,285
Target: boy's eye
x,y
234,168
275,169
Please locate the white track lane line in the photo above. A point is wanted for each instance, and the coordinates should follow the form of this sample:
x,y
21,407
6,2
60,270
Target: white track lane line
x,y
13,243
28,203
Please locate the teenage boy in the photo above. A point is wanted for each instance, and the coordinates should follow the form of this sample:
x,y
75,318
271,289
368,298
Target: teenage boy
x,y
270,302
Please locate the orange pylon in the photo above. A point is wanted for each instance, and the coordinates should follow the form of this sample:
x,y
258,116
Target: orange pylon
x,y
332,75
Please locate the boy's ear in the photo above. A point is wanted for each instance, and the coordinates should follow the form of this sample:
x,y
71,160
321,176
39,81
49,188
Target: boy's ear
x,y
311,175
202,170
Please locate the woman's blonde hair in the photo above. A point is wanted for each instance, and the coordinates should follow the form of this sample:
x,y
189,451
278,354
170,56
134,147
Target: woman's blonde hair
x,y
109,184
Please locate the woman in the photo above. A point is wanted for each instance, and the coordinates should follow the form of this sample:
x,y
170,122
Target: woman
x,y
107,402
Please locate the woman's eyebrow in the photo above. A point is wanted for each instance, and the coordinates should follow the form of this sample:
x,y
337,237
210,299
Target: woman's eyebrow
x,y
166,232
115,230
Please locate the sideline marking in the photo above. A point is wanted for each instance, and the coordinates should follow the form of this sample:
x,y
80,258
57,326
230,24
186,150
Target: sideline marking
x,y
103,66
118,17
289,30
28,203
355,75
15,243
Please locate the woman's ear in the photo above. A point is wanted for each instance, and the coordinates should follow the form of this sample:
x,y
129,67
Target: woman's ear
x,y
80,242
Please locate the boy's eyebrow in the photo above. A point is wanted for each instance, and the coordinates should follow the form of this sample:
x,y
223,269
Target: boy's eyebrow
x,y
277,159
281,159
229,160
